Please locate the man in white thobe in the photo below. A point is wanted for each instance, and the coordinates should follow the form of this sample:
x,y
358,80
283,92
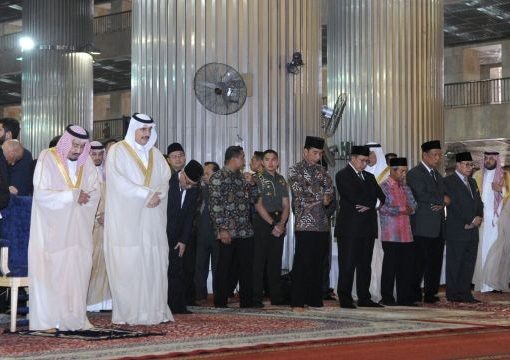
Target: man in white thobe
x,y
99,297
494,185
136,246
66,194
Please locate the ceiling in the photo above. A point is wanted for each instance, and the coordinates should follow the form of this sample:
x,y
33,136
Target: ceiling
x,y
465,22
474,21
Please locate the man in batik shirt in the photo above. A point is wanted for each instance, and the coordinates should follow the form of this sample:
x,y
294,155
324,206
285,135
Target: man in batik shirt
x,y
396,235
312,202
230,196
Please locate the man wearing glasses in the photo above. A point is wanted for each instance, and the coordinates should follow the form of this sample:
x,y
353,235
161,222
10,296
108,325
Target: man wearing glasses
x,y
175,157
465,215
183,199
356,227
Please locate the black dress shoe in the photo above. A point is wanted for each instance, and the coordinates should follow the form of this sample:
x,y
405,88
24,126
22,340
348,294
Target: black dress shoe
x,y
369,303
472,301
186,311
431,299
497,291
390,302
407,303
347,305
257,305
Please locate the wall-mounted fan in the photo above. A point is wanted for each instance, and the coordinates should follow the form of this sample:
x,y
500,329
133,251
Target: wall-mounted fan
x,y
331,117
220,88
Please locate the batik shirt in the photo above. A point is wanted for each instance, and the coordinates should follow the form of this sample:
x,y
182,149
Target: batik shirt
x,y
230,196
308,185
395,224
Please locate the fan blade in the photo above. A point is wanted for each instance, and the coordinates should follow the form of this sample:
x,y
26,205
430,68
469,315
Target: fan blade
x,y
208,84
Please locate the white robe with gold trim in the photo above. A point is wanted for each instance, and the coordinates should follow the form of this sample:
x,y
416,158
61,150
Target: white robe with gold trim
x,y
60,246
136,245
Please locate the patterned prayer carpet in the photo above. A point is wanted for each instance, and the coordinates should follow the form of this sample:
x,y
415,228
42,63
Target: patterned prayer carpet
x,y
221,331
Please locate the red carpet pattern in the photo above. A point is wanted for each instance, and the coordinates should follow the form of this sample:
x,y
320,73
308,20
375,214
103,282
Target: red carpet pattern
x,y
211,329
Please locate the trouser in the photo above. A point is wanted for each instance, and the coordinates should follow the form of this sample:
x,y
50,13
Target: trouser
x,y
268,251
326,268
207,251
460,266
427,266
189,263
397,266
307,268
176,281
240,253
354,254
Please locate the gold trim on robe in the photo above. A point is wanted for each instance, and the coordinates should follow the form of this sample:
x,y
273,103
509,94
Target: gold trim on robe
x,y
64,171
146,171
382,175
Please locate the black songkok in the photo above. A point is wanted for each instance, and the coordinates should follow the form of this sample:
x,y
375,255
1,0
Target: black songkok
x,y
314,142
194,170
398,161
430,145
491,153
360,150
463,156
174,147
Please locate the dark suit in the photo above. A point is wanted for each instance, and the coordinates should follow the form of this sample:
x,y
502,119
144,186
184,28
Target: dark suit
x,y
179,229
356,231
21,174
461,243
427,226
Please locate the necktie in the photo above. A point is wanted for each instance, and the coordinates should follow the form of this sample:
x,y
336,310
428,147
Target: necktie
x,y
466,182
180,196
433,173
360,175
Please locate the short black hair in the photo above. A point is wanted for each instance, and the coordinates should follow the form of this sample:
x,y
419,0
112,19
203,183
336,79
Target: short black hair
x,y
54,141
258,155
271,151
232,152
215,166
390,155
12,125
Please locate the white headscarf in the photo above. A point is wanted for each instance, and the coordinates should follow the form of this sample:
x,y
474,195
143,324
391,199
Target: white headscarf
x,y
379,167
139,121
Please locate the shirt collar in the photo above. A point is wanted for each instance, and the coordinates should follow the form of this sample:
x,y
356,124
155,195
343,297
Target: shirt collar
x,y
426,166
462,177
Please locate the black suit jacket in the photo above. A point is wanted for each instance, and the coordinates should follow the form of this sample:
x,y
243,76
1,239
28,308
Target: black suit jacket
x,y
462,209
354,191
180,220
427,192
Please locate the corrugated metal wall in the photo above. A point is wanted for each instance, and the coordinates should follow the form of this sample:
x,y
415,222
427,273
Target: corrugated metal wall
x,y
57,82
172,39
387,55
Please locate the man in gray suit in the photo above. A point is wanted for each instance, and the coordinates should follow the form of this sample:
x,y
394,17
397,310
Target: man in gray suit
x,y
427,222
465,213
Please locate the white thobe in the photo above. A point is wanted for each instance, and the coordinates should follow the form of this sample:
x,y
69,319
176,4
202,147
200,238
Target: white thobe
x,y
136,245
489,227
60,246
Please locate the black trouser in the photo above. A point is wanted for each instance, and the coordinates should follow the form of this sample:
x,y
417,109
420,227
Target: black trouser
x,y
428,262
189,263
354,254
207,248
268,251
307,268
176,281
240,253
397,266
326,268
460,266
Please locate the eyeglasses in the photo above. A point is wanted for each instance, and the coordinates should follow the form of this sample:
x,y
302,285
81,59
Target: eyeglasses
x,y
176,156
468,164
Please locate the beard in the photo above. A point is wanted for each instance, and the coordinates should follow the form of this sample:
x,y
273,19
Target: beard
x,y
491,167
